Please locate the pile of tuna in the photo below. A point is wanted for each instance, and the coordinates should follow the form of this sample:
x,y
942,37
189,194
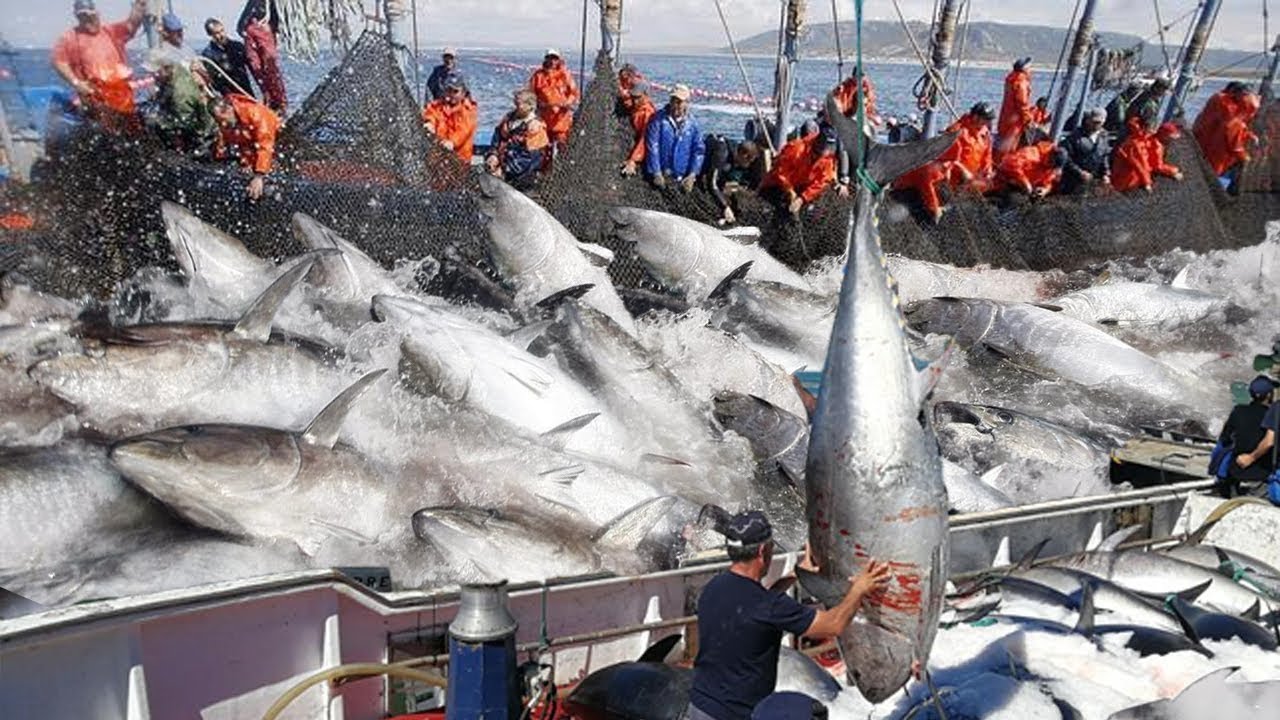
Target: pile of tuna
x,y
246,417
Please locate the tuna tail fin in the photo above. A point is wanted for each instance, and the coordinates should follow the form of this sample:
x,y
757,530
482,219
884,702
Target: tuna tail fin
x,y
597,255
1194,592
659,651
722,288
884,163
323,430
829,591
1084,625
1029,558
1254,613
255,324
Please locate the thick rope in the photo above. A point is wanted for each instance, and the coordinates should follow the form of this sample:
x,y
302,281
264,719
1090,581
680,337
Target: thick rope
x,y
745,79
924,62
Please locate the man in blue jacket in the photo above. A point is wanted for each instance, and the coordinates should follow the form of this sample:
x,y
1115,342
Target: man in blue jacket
x,y
674,147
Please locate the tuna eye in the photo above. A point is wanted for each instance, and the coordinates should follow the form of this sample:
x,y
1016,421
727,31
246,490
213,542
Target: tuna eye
x,y
1004,417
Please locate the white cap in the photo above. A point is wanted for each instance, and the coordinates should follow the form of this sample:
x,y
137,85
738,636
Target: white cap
x,y
551,51
449,51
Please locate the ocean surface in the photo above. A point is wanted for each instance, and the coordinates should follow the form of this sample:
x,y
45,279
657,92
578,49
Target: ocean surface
x,y
720,103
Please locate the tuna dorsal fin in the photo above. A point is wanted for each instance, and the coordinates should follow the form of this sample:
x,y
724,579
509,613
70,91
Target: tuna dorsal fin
x,y
884,163
596,254
1084,625
1029,558
1002,558
624,531
744,235
1180,280
1113,540
989,477
722,288
323,431
1217,677
552,301
659,651
1176,605
560,434
1254,613
1194,592
829,591
255,324
1225,564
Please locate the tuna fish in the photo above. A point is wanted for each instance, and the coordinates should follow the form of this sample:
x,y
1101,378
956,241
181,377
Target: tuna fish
x,y
217,266
20,303
787,325
538,256
874,477
692,257
919,280
1151,573
1146,304
991,436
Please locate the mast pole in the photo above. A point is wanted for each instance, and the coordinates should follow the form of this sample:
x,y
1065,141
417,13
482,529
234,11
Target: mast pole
x,y
1191,58
1080,48
1078,115
400,34
610,27
1267,89
940,50
784,77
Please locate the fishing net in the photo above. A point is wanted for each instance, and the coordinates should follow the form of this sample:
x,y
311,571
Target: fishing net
x,y
354,156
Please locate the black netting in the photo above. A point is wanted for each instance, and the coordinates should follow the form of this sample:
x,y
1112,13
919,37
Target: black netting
x,y
355,157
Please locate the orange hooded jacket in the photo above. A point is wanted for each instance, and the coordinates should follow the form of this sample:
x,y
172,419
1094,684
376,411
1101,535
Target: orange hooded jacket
x,y
1141,157
1015,110
556,91
1222,129
254,134
972,147
453,122
847,95
796,169
1032,166
640,109
924,181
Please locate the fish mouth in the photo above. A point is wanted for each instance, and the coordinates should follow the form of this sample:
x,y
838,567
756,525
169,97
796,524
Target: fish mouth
x,y
490,186
620,218
953,413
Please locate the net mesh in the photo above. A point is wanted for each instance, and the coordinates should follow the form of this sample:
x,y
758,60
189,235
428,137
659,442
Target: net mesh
x,y
355,157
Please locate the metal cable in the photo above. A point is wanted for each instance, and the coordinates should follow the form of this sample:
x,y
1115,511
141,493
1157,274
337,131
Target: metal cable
x,y
956,75
835,23
1062,53
417,55
1164,47
582,52
746,80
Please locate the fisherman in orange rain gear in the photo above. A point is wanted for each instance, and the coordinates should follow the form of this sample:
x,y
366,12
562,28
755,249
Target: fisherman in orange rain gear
x,y
1140,157
1222,127
846,95
519,143
557,93
972,148
250,128
925,179
802,171
452,118
92,59
1033,169
640,110
1040,113
1016,111
628,77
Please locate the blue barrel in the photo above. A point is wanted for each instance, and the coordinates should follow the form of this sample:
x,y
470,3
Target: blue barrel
x,y
482,657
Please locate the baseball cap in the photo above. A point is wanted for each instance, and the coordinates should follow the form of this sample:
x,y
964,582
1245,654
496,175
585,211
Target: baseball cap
x,y
1261,385
1021,63
451,52
551,52
83,6
638,89
171,22
982,109
748,528
681,92
1168,130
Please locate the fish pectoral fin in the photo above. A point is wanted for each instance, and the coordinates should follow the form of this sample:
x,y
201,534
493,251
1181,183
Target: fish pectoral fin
x,y
552,301
596,254
529,374
564,475
829,591
743,235
1048,306
624,530
560,434
663,460
256,322
722,288
323,430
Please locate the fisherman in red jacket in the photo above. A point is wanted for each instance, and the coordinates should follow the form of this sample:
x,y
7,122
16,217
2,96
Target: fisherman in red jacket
x,y
1033,169
92,59
640,111
1016,112
802,171
972,148
452,118
924,181
557,94
1223,127
847,94
1140,157
263,55
250,128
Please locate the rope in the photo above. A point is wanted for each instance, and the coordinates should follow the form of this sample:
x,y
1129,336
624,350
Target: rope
x,y
1164,47
582,52
955,73
1062,53
835,23
928,68
861,171
417,54
745,79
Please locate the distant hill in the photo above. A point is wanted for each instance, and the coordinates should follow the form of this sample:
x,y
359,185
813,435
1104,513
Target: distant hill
x,y
986,42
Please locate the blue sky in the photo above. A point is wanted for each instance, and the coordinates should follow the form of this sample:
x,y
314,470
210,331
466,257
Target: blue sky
x,y
657,23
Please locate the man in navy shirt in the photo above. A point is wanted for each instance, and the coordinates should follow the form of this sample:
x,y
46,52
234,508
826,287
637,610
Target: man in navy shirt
x,y
1270,424
740,624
